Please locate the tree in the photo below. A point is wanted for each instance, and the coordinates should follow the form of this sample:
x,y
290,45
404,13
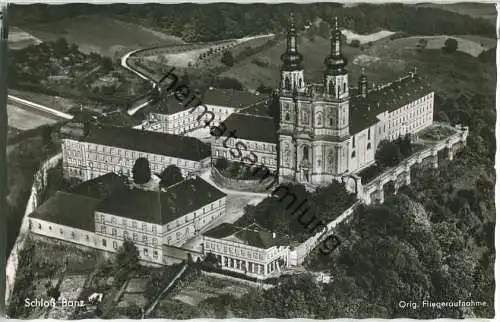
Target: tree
x,y
153,286
227,58
422,43
170,176
450,45
404,144
355,43
228,82
134,311
61,47
388,154
106,64
47,135
221,164
127,257
264,89
141,171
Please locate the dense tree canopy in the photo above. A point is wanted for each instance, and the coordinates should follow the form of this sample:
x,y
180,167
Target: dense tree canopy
x,y
276,213
223,21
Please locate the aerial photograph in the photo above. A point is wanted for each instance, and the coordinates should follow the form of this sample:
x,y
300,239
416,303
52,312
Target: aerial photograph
x,y
312,160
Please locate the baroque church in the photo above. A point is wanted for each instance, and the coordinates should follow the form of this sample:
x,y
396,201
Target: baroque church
x,y
330,129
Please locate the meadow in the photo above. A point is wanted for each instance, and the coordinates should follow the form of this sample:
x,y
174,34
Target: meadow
x,y
87,32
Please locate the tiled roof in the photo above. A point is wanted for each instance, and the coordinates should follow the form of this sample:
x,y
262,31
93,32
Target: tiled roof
x,y
69,210
252,127
364,111
99,187
171,145
248,236
230,98
187,196
217,96
170,105
180,199
134,204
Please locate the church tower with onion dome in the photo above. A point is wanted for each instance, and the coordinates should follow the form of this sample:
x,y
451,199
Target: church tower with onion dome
x,y
292,71
314,118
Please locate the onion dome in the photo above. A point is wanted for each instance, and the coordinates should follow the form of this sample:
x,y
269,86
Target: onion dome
x,y
291,58
335,62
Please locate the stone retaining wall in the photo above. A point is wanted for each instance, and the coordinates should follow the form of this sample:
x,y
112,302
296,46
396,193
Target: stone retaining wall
x,y
37,189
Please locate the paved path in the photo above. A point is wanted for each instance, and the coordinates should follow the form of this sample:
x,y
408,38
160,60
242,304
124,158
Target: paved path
x,y
40,107
153,305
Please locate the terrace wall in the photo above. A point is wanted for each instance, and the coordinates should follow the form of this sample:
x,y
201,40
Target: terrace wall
x,y
37,190
242,185
300,252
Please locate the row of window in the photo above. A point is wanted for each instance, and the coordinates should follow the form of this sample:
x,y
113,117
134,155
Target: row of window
x,y
124,158
236,251
227,155
61,231
242,265
254,146
152,227
145,251
72,172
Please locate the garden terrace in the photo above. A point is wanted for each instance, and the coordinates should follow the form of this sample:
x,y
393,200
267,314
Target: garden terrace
x,y
275,213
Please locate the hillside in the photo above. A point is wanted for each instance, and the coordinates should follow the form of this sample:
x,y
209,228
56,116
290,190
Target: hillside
x,y
264,67
485,11
87,32
217,21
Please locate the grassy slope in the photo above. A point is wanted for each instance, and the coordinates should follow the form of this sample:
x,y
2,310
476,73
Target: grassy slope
x,y
101,34
384,61
250,75
476,10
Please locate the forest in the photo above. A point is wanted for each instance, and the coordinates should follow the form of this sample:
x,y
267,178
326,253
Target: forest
x,y
193,22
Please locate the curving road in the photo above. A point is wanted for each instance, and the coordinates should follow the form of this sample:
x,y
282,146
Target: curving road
x,y
40,107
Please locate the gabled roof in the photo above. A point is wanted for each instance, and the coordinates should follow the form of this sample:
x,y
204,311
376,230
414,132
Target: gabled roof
x,y
69,210
161,207
134,204
99,187
252,127
171,105
390,97
251,236
230,97
171,145
215,96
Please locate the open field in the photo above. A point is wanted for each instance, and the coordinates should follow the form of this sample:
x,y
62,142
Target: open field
x,y
191,57
350,35
56,102
383,60
208,286
476,10
19,39
119,36
25,119
472,45
264,67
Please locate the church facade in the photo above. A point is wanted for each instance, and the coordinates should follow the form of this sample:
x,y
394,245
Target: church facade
x,y
330,129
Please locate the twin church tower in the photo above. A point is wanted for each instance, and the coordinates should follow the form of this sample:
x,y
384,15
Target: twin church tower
x,y
314,118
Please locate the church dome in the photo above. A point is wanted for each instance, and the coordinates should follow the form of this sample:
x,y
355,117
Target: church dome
x,y
335,63
292,60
